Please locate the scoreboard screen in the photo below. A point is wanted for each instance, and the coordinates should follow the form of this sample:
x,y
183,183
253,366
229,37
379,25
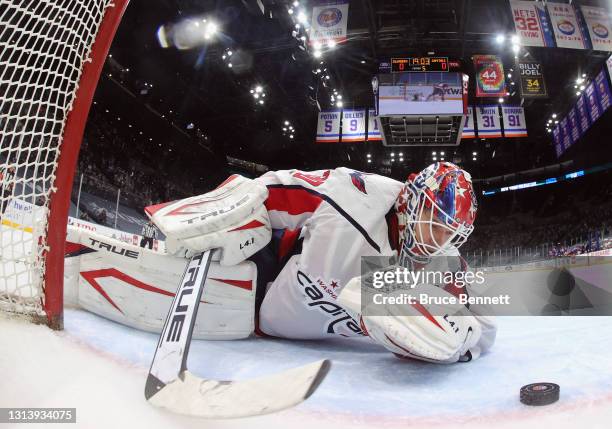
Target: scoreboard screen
x,y
419,64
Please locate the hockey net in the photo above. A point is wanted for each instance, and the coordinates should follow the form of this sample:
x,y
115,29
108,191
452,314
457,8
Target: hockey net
x,y
51,55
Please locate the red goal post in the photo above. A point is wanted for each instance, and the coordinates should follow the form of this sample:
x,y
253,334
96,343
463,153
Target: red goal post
x,y
51,56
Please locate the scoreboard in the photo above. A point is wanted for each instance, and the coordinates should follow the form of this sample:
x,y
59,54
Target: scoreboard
x,y
419,64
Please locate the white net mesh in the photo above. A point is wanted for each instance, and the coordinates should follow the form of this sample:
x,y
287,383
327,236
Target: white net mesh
x,y
43,47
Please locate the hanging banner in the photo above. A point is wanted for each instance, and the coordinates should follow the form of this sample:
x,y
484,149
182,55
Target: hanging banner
x,y
568,33
557,138
584,122
514,121
353,125
329,19
531,23
487,118
609,65
468,125
574,128
532,79
328,126
602,87
592,102
373,127
597,22
566,141
490,77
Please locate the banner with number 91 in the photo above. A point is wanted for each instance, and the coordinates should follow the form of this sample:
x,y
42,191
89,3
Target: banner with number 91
x,y
514,121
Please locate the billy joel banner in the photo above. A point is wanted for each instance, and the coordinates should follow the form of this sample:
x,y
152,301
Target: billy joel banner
x,y
532,79
328,126
531,23
490,78
469,131
487,118
568,32
597,21
329,19
514,121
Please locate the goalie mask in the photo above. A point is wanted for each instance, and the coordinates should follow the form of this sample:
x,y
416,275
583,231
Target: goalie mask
x,y
436,211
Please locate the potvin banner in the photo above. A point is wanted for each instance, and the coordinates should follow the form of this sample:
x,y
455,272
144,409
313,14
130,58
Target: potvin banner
x,y
329,21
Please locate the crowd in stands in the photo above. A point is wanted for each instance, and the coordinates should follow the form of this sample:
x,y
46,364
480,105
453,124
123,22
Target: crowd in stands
x,y
567,218
110,160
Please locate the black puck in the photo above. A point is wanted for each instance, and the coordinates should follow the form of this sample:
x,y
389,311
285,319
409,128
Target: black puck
x,y
540,393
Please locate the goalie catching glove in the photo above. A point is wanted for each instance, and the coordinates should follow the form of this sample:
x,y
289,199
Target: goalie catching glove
x,y
232,218
436,333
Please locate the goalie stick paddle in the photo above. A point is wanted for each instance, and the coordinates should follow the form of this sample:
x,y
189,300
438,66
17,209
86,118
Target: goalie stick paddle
x,y
171,386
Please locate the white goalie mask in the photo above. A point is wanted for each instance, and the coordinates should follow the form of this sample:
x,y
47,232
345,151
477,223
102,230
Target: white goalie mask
x,y
436,210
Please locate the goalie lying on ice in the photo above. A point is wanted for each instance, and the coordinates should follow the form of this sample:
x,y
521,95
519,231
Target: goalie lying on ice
x,y
289,247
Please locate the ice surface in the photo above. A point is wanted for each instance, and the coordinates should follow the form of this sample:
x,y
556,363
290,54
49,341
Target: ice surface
x,y
100,367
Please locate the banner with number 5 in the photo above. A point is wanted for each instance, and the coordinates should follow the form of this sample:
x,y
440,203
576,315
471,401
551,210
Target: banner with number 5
x,y
328,126
514,121
353,125
487,118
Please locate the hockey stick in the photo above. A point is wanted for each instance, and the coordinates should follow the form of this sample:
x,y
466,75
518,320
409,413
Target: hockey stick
x,y
171,386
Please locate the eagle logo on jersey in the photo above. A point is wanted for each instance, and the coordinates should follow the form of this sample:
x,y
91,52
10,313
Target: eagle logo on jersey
x,y
357,177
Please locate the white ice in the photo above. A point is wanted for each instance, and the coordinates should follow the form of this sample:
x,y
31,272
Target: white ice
x,y
100,367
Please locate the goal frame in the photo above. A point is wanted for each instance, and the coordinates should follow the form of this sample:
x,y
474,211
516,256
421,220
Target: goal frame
x,y
59,204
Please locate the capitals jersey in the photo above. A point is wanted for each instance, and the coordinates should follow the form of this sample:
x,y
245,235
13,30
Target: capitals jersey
x,y
339,216
336,216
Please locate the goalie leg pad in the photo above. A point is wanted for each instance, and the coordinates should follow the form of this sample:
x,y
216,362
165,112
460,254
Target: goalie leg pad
x,y
227,307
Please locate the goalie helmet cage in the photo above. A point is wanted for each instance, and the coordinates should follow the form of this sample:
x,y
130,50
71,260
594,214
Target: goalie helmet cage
x,y
51,56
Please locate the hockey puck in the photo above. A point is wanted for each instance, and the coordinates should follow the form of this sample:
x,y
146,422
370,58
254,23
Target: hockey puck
x,y
540,393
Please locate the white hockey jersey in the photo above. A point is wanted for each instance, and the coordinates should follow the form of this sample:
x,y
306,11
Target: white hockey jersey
x,y
341,214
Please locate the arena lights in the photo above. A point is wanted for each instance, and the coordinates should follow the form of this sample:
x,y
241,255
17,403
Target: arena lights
x,y
554,115
500,39
188,33
288,129
501,100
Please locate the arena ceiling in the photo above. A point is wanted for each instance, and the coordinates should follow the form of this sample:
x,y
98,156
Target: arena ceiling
x,y
168,89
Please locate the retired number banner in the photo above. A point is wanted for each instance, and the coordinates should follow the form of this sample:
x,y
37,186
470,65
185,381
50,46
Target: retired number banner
x,y
531,23
373,126
487,118
353,125
490,78
469,131
514,121
328,126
